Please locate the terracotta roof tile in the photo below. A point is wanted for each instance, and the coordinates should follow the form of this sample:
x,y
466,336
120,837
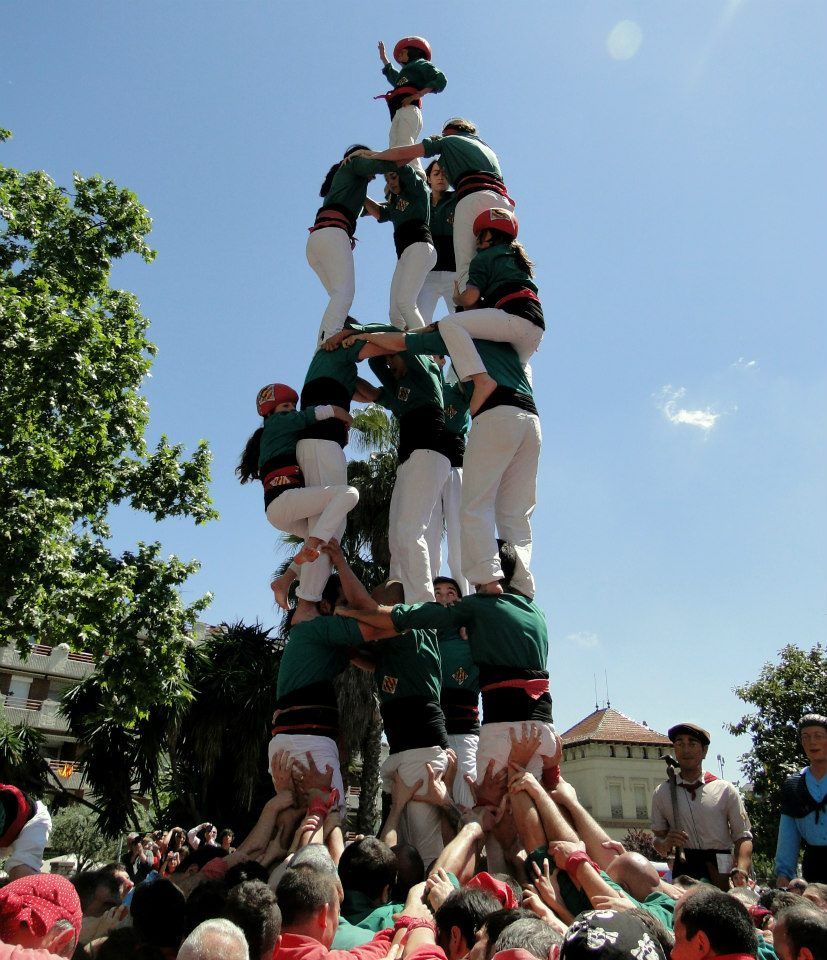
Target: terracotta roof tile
x,y
610,726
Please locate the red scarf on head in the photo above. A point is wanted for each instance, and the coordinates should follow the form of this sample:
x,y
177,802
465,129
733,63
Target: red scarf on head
x,y
501,890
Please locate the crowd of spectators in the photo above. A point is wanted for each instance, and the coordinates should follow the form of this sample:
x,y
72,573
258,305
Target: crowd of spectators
x,y
525,874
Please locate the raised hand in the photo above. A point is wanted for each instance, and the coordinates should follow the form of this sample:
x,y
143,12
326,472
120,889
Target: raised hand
x,y
281,770
489,791
526,745
310,777
436,793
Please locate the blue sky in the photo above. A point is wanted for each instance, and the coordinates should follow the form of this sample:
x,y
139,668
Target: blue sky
x,y
668,161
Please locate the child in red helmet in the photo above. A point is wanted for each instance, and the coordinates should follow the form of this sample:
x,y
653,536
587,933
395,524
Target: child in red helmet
x,y
500,303
417,77
270,456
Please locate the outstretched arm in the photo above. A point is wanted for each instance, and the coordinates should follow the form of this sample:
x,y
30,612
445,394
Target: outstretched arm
x,y
379,617
403,154
354,590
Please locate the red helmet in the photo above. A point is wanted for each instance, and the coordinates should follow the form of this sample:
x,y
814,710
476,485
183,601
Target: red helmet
x,y
418,43
269,397
497,218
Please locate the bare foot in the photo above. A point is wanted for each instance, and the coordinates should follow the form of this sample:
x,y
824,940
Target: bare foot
x,y
484,386
281,587
307,554
494,588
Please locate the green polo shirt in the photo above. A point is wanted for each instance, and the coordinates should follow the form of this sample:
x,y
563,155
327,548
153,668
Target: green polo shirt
x,y
316,650
462,153
281,431
457,416
506,630
495,266
421,386
350,183
408,666
419,73
442,215
459,672
500,359
412,203
339,365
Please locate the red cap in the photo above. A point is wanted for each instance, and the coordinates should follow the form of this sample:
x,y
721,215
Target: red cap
x,y
418,43
498,218
269,397
37,902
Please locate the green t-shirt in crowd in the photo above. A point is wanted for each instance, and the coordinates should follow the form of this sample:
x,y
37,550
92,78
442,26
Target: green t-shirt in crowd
x,y
495,266
316,650
419,73
504,630
350,183
462,153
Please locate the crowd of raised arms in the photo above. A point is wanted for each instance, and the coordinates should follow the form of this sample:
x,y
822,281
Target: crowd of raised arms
x,y
484,850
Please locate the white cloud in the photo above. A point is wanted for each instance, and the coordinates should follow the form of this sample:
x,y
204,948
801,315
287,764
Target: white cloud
x,y
624,40
669,402
743,364
583,639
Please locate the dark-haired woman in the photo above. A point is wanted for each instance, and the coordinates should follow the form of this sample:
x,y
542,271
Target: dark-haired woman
x,y
440,281
330,244
408,208
500,303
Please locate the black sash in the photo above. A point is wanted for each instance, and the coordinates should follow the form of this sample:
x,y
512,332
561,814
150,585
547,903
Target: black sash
x,y
321,392
413,722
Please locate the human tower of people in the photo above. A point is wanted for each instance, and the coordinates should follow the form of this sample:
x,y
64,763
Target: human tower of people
x,y
469,445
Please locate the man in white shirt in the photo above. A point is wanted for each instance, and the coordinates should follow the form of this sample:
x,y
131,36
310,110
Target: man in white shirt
x,y
699,817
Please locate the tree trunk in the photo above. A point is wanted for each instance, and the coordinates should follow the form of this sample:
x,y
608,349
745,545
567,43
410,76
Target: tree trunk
x,y
369,781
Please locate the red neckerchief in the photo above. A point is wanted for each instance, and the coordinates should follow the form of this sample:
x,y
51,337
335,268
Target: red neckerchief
x,y
691,788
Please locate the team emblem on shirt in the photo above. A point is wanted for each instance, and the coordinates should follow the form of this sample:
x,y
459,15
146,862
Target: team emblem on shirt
x,y
401,204
403,393
389,684
460,676
450,412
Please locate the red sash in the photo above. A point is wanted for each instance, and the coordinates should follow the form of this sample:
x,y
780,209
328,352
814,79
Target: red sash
x,y
534,688
524,294
286,477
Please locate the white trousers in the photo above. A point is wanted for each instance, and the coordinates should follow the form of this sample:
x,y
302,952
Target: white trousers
x,y
406,127
27,849
324,751
466,212
411,270
495,742
328,506
465,746
421,823
331,257
447,512
499,493
323,464
419,481
438,283
457,330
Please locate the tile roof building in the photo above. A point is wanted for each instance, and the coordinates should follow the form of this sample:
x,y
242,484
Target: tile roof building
x,y
615,763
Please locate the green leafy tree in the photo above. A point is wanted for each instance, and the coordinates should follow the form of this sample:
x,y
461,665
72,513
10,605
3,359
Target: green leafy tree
x,y
73,355
75,832
201,756
21,760
782,694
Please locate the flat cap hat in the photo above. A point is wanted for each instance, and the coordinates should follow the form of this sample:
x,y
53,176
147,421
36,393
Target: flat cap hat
x,y
691,730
